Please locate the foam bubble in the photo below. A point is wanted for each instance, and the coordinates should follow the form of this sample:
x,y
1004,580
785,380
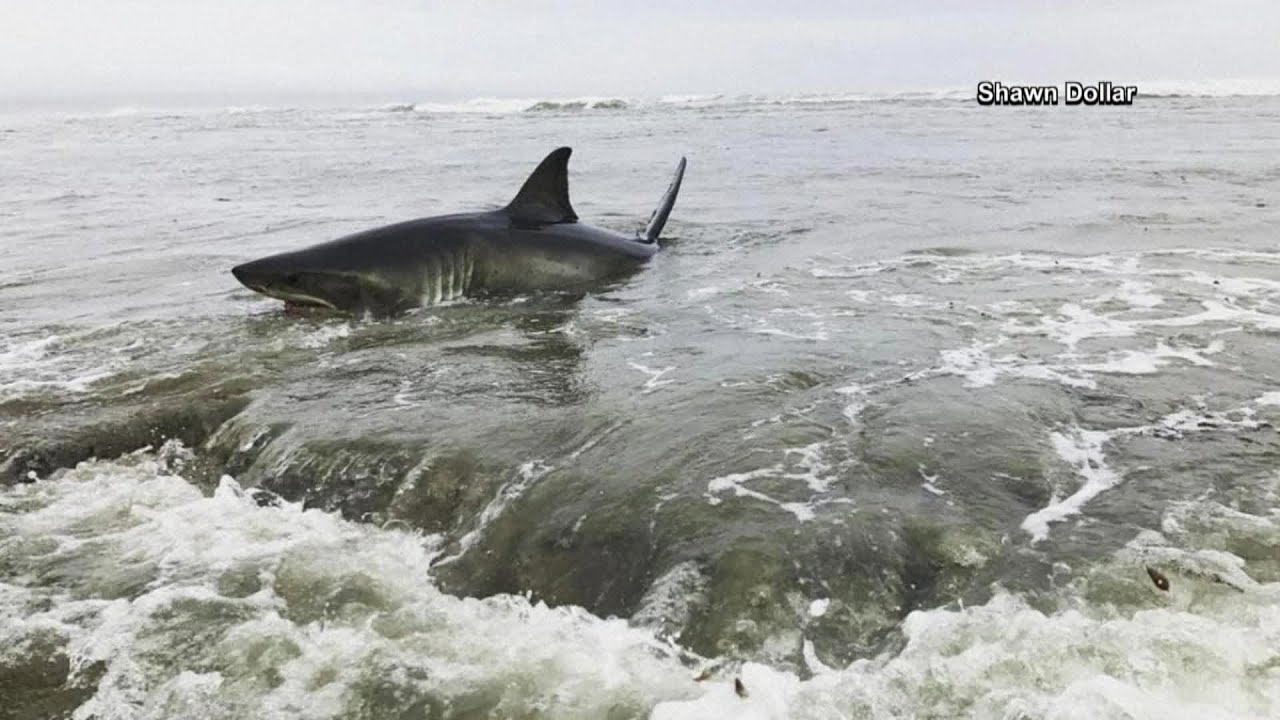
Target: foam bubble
x,y
1083,451
655,380
807,464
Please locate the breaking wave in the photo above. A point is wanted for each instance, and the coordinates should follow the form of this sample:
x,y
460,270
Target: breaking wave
x,y
496,105
965,93
138,595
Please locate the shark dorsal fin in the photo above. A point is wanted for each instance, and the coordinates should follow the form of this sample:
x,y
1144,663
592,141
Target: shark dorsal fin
x,y
544,197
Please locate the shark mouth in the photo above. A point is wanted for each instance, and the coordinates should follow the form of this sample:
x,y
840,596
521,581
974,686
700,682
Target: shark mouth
x,y
293,307
297,304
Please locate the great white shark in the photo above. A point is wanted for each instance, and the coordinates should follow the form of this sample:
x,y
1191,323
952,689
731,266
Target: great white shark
x,y
534,243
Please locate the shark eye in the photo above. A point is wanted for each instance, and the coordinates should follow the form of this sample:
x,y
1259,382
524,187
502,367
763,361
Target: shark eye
x,y
292,278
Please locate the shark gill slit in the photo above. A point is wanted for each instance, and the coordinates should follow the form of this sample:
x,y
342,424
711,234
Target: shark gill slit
x,y
429,281
456,272
470,262
462,272
458,276
446,277
436,280
458,263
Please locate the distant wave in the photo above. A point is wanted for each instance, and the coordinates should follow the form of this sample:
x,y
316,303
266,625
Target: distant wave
x,y
957,94
501,106
613,103
171,111
965,93
936,94
552,105
1209,88
491,105
251,109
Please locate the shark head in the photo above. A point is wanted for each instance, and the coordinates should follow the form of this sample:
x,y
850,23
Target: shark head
x,y
303,284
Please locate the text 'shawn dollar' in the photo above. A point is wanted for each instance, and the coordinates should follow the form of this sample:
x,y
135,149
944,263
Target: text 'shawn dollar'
x,y
1071,93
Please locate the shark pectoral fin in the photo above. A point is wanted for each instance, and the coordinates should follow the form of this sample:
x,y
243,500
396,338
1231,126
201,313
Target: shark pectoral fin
x,y
381,298
659,217
544,197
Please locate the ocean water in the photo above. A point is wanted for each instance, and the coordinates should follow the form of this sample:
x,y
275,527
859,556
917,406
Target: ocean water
x,y
925,410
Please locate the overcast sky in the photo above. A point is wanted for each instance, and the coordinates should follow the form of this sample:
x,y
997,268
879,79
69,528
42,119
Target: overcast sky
x,y
523,48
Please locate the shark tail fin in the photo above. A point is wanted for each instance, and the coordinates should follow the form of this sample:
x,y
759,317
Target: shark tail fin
x,y
659,217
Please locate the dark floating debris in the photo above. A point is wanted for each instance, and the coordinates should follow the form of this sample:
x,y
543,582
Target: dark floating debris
x,y
1158,578
739,688
265,498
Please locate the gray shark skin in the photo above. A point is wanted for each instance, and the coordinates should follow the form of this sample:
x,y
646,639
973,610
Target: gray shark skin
x,y
534,243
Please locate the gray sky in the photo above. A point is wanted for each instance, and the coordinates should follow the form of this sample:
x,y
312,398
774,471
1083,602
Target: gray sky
x,y
523,48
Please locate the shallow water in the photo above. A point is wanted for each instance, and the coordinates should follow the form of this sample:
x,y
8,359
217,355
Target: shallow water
x,y
895,425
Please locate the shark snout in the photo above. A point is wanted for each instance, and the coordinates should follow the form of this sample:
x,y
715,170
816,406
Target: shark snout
x,y
251,275
260,274
260,278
